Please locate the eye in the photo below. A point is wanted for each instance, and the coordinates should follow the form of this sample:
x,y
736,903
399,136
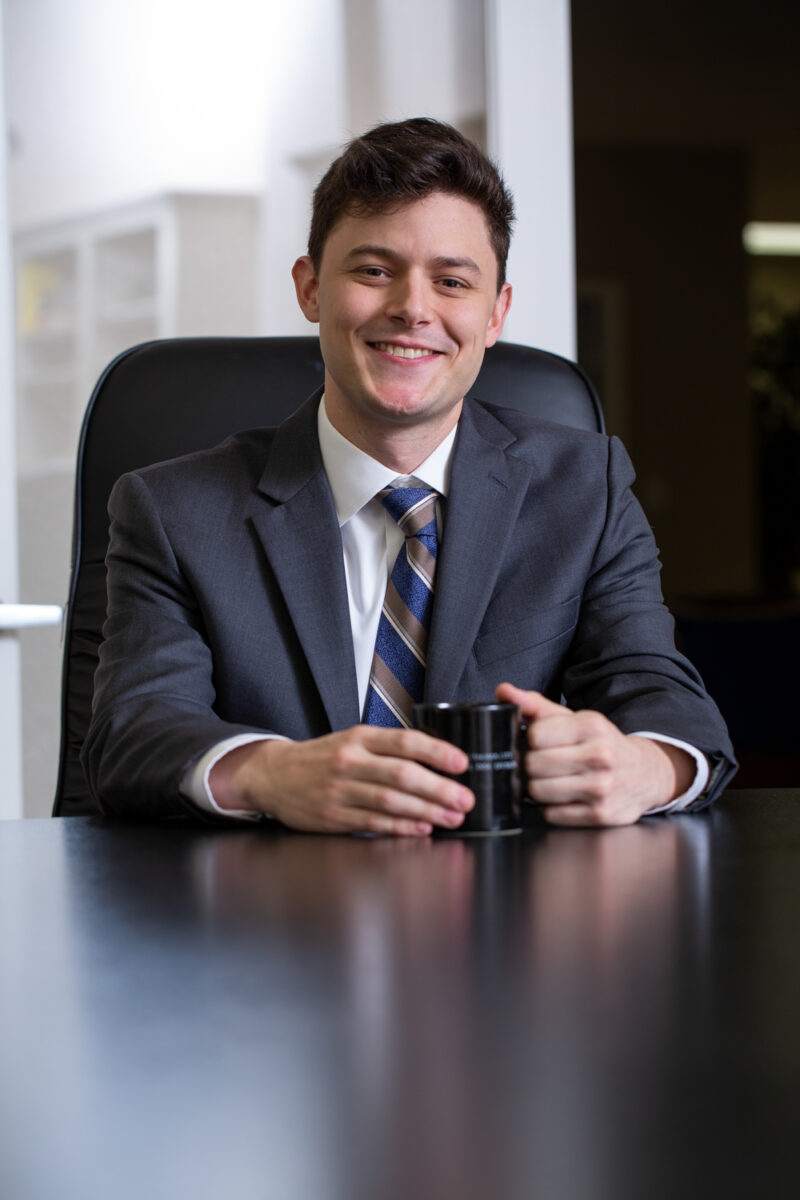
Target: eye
x,y
452,284
373,272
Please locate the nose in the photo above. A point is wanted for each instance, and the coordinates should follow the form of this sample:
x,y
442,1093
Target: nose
x,y
409,300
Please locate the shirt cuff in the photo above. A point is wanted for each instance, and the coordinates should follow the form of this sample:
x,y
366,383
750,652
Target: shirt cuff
x,y
194,781
699,783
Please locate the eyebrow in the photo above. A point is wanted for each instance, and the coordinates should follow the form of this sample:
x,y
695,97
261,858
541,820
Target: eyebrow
x,y
441,262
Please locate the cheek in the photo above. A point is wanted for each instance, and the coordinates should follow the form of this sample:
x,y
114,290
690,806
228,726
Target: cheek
x,y
472,341
470,330
340,310
355,305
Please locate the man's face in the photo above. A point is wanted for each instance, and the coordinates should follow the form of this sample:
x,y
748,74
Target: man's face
x,y
406,302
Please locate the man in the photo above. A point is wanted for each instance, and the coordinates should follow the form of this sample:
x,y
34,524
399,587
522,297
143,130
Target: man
x,y
243,671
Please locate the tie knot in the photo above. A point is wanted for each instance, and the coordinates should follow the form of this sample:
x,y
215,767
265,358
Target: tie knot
x,y
414,509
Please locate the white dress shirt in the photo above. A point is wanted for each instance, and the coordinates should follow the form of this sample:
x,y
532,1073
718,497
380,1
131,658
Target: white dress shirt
x,y
371,541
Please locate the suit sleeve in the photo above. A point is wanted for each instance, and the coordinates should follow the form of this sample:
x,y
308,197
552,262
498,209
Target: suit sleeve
x,y
153,708
623,661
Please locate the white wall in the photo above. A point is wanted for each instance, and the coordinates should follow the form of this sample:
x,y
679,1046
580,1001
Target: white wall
x,y
309,124
351,65
499,68
529,111
10,719
438,72
110,100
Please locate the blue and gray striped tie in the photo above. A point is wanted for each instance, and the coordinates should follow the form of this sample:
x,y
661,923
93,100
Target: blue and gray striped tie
x,y
398,666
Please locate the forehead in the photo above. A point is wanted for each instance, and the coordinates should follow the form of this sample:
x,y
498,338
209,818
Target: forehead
x,y
438,225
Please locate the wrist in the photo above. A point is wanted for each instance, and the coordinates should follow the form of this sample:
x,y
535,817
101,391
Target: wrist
x,y
237,781
677,769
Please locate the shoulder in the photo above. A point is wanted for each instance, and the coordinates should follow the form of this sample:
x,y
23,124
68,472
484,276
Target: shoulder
x,y
496,420
202,486
239,457
243,461
547,445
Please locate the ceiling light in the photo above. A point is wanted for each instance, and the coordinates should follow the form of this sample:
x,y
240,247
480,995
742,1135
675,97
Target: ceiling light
x,y
771,237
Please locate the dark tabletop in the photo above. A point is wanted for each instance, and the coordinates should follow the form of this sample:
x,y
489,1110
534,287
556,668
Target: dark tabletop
x,y
229,1012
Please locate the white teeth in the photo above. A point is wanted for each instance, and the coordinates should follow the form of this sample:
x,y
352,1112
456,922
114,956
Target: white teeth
x,y
402,351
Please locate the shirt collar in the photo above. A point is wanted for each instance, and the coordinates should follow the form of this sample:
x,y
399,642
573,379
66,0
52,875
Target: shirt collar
x,y
355,477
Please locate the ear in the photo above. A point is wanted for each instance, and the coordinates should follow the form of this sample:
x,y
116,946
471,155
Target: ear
x,y
499,313
306,285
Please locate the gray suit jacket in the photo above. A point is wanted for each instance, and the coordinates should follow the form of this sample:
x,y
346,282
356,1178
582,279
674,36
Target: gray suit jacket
x,y
227,603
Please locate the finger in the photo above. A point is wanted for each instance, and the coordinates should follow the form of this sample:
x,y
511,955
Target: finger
x,y
409,806
336,784
415,745
339,815
381,782
557,762
531,704
368,754
568,789
550,732
410,783
572,815
380,810
586,816
598,790
369,821
586,728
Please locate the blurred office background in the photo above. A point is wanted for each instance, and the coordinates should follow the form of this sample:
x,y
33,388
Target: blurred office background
x,y
159,163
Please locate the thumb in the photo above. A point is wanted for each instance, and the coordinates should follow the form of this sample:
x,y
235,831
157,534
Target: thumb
x,y
531,704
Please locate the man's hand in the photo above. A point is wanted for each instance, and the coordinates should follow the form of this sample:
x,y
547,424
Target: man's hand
x,y
362,780
583,771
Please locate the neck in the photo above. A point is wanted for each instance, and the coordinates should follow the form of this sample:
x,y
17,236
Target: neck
x,y
402,448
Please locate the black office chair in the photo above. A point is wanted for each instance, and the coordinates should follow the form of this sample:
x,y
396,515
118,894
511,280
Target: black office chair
x,y
165,398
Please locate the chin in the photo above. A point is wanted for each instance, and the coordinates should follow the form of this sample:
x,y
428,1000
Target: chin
x,y
407,408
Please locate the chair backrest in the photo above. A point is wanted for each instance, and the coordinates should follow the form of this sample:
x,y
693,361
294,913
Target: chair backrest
x,y
166,398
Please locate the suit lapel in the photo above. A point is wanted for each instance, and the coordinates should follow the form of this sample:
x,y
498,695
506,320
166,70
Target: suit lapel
x,y
486,489
299,531
297,525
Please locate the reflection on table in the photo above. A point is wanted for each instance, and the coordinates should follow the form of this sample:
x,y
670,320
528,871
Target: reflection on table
x,y
568,1013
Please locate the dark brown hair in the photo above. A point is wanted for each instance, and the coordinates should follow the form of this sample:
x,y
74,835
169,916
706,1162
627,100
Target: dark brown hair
x,y
395,164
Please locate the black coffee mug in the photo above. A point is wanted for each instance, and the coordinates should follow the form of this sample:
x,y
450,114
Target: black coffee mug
x,y
493,735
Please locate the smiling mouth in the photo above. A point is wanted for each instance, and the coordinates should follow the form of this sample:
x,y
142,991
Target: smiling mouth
x,y
403,351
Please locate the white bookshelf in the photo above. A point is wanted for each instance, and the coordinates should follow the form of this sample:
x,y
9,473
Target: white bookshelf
x,y
178,264
174,265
